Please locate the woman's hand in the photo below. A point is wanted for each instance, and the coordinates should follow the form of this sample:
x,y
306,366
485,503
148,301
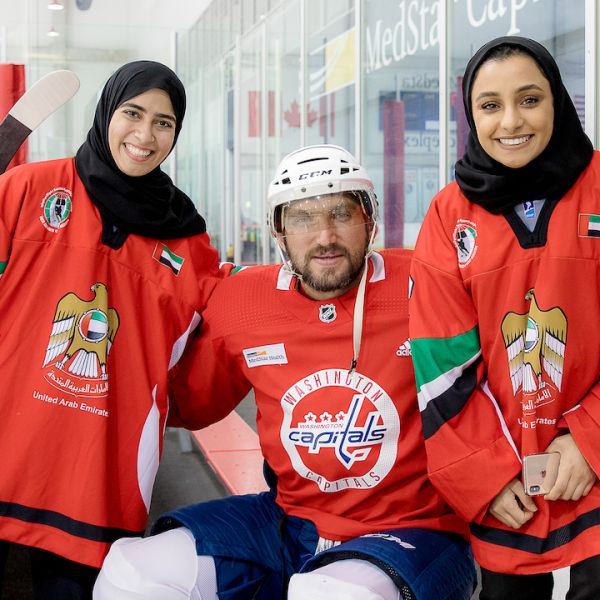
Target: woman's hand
x,y
512,506
575,476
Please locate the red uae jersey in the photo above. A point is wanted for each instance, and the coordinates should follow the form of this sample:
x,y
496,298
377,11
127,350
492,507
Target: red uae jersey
x,y
88,336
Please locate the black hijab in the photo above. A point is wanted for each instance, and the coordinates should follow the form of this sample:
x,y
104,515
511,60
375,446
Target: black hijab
x,y
550,175
149,205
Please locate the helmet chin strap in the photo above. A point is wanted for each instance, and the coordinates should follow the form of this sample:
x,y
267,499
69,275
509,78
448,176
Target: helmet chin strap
x,y
287,263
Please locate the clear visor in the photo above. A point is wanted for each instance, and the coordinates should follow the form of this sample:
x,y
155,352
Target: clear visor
x,y
328,211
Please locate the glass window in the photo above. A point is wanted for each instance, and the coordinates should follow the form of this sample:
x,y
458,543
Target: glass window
x,y
251,182
200,149
400,113
261,8
248,15
400,87
236,16
283,84
330,77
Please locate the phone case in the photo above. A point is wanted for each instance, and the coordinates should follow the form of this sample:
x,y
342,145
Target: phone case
x,y
540,472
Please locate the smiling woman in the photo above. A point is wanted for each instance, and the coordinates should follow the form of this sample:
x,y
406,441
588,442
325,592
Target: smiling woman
x,y
142,132
137,123
548,165
500,338
513,110
123,268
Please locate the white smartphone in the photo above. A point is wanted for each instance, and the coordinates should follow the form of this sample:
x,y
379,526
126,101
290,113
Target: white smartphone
x,y
540,472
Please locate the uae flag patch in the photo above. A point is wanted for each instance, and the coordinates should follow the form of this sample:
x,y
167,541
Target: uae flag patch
x,y
163,255
589,225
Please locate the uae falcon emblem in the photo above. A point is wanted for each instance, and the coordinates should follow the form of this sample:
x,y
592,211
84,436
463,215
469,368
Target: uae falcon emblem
x,y
82,334
535,343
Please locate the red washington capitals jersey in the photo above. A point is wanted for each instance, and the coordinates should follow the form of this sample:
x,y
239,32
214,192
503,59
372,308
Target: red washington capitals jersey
x,y
507,357
88,336
347,448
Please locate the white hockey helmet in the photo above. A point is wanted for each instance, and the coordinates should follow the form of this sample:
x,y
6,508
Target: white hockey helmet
x,y
315,171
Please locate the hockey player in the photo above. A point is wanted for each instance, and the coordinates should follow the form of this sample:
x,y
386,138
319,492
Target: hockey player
x,y
507,362
350,513
105,266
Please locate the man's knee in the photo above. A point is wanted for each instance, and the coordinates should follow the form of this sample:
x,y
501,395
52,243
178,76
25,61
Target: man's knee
x,y
163,566
317,586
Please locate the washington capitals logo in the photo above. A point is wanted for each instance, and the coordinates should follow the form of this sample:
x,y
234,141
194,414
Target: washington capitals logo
x,y
340,430
535,343
81,338
350,440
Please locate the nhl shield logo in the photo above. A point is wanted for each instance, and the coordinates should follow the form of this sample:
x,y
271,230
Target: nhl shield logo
x,y
327,313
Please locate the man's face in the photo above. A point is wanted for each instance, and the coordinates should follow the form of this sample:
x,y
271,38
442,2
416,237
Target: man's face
x,y
326,239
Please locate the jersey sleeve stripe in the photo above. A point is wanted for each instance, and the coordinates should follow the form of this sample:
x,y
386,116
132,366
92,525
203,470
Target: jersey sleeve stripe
x,y
449,403
446,381
438,358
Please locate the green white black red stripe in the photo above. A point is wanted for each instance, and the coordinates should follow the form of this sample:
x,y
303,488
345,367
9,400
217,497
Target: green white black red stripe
x,y
445,371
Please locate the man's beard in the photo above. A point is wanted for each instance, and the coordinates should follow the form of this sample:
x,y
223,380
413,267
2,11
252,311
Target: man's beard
x,y
330,280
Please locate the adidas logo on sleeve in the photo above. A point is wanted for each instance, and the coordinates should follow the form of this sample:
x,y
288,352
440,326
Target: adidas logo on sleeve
x,y
404,349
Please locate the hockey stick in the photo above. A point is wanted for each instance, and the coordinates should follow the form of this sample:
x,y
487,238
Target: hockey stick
x,y
34,106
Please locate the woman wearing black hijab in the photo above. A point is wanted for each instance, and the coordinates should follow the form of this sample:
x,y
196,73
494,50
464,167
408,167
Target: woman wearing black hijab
x,y
105,268
502,313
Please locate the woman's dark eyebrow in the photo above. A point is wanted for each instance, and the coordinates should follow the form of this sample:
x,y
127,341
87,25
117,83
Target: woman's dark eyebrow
x,y
142,109
523,88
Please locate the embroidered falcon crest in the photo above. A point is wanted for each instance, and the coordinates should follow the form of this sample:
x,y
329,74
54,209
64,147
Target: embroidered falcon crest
x,y
84,332
535,341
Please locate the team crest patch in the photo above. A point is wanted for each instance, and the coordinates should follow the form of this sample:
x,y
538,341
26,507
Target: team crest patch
x,y
340,430
327,313
465,240
56,209
82,335
535,344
